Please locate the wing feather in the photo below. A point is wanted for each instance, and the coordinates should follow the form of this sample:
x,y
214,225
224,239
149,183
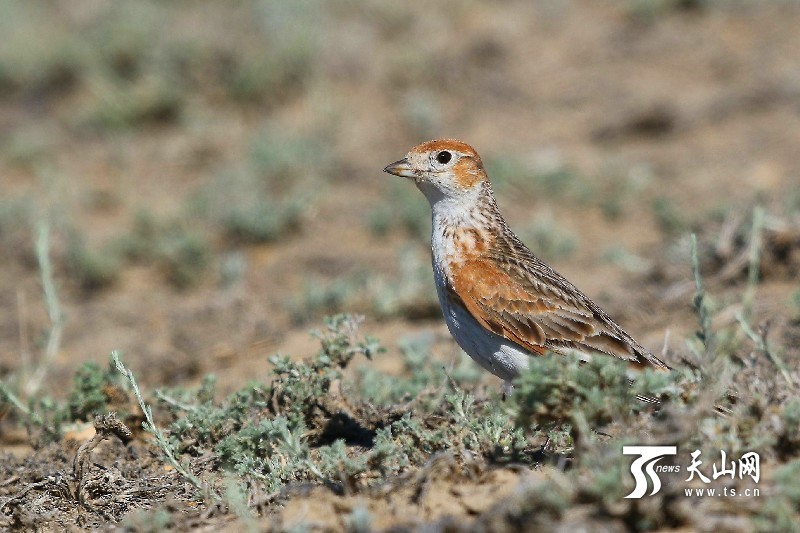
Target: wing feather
x,y
534,307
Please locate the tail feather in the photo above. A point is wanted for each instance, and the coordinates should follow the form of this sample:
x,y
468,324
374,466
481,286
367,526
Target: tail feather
x,y
648,399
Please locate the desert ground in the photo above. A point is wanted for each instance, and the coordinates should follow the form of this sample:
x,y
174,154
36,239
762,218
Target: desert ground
x,y
197,188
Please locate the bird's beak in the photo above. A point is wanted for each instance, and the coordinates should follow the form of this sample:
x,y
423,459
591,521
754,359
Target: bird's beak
x,y
401,168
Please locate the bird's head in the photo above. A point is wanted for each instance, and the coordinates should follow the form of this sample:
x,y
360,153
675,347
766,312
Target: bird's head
x,y
443,169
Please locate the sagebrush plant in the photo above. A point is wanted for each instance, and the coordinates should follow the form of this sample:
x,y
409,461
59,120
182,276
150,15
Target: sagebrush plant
x,y
559,389
410,293
167,449
265,196
92,391
323,297
91,269
305,425
424,379
180,252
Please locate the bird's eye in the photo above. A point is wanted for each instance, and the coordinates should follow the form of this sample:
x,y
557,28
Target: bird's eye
x,y
444,157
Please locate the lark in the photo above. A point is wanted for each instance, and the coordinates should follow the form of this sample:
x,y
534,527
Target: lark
x,y
502,304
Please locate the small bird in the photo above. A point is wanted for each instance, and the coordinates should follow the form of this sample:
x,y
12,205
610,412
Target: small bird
x,y
501,303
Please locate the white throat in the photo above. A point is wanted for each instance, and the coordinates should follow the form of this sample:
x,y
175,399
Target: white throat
x,y
456,210
450,214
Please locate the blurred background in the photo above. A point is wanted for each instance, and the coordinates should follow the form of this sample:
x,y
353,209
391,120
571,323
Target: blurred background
x,y
209,174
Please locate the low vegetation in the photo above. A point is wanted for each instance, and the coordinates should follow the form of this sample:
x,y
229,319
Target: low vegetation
x,y
332,420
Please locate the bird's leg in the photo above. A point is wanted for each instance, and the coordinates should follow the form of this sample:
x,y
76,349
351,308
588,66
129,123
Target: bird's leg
x,y
506,389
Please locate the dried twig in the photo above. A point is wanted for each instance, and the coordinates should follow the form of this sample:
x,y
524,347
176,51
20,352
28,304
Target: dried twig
x,y
104,426
25,491
9,481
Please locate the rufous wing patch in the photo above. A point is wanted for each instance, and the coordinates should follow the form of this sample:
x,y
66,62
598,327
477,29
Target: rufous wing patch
x,y
482,291
504,306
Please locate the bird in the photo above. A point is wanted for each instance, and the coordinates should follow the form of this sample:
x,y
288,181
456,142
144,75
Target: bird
x,y
501,303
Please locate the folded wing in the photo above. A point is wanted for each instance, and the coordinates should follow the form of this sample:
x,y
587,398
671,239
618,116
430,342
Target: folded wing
x,y
531,305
